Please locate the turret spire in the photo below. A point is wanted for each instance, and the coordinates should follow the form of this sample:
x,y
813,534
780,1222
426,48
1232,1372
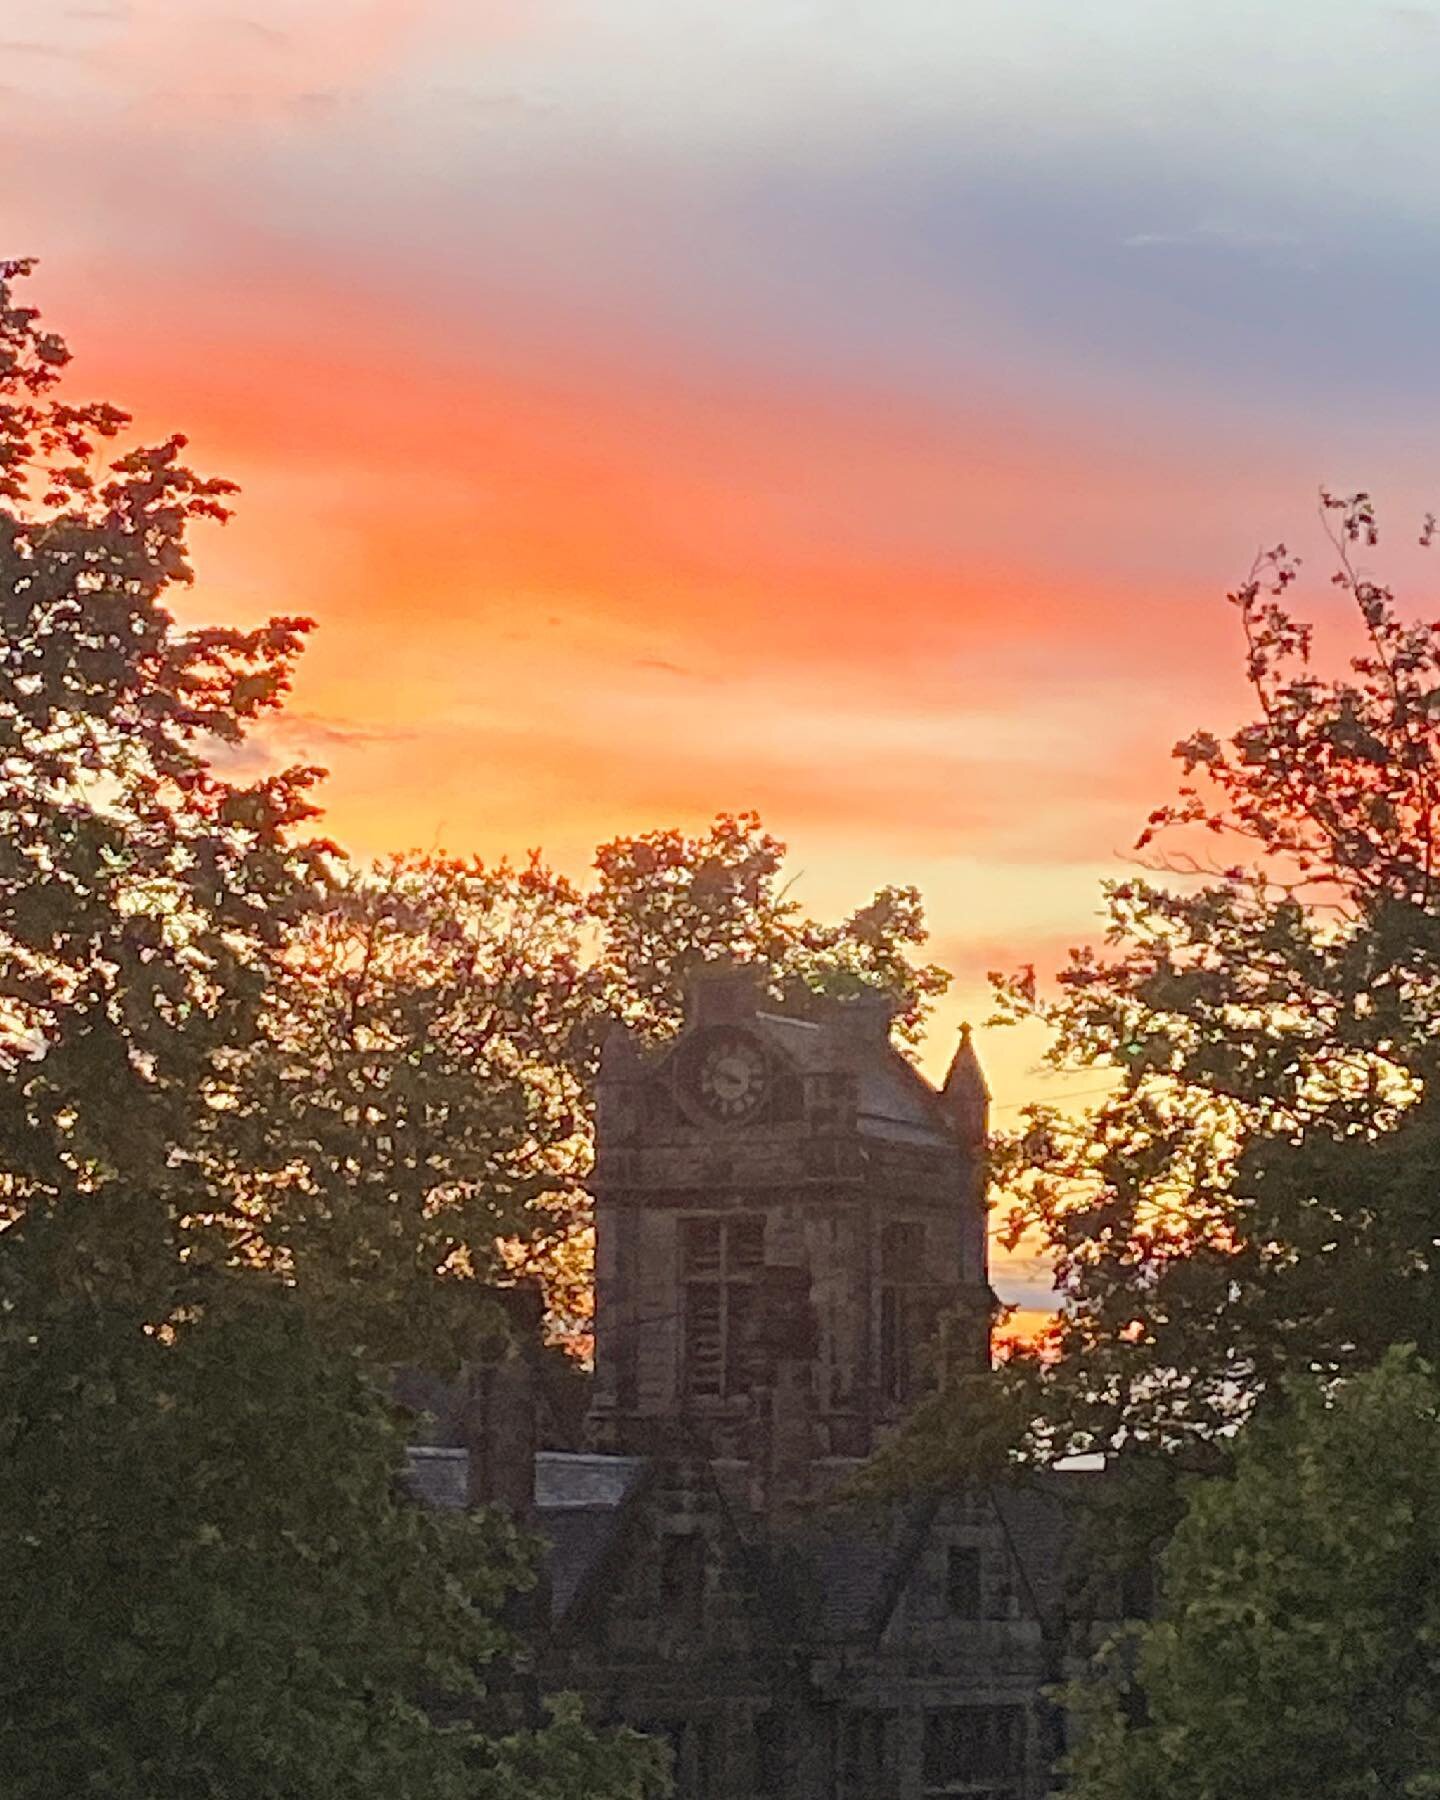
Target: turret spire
x,y
964,1096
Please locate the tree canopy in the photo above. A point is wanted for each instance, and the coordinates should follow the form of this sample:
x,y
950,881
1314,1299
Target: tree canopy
x,y
210,1581
418,1110
143,898
1253,1196
414,1100
269,1122
669,901
208,1587
1294,1653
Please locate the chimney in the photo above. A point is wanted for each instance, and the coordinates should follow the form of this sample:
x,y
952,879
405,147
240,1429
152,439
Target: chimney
x,y
870,1017
722,992
615,1101
619,1056
498,1418
964,1098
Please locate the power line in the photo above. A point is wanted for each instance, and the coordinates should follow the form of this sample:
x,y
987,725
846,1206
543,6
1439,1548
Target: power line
x,y
1059,1100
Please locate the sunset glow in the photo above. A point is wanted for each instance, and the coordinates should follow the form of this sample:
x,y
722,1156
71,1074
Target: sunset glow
x,y
852,413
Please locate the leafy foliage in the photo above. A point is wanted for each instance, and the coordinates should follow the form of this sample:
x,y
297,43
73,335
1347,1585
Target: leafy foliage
x,y
219,1588
421,1103
210,1584
1295,1651
414,1101
142,897
1254,1195
668,902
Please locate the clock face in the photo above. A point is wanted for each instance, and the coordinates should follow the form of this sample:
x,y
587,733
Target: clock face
x,y
730,1075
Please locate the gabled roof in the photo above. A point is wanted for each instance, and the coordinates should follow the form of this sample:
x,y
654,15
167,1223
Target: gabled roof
x,y
1040,1522
894,1100
858,1562
579,1503
862,1561
897,1102
850,1566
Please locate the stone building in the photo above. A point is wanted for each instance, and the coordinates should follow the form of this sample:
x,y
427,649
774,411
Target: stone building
x,y
785,1209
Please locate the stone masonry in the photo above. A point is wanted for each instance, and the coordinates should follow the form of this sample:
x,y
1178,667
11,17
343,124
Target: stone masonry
x,y
790,1229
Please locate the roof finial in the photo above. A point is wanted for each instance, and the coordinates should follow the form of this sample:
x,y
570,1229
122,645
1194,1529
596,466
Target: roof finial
x,y
965,1096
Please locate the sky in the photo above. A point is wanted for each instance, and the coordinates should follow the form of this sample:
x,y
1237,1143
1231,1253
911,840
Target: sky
x,y
855,412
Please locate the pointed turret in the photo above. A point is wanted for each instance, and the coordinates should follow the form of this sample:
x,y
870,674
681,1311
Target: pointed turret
x,y
965,1098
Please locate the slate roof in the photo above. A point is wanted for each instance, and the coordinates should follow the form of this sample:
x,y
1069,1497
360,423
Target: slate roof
x,y
894,1099
1040,1523
857,1563
860,1561
579,1502
852,1564
578,1539
437,1477
574,1479
804,1041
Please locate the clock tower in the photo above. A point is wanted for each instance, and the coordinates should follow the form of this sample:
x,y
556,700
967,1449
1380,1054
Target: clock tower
x,y
780,1202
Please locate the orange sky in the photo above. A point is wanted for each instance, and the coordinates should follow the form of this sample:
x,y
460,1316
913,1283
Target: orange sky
x,y
666,409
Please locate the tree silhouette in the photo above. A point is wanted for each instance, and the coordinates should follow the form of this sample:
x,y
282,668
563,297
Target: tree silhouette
x,y
209,1583
1254,1195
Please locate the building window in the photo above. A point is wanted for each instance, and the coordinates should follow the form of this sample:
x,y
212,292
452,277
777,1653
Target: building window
x,y
770,1771
864,1739
705,1755
787,1098
902,1252
908,1307
682,1578
694,1754
976,1751
720,1259
962,1581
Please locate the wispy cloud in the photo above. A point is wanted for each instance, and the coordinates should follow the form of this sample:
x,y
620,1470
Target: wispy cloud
x,y
300,737
1216,234
47,52
661,666
258,28
316,728
844,409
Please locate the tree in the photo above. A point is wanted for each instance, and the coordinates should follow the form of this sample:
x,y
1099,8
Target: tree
x,y
210,1583
1254,1194
668,902
414,1102
1295,1650
419,1104
142,897
212,1586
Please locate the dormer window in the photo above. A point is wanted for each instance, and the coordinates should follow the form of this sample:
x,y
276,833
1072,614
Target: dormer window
x,y
964,1591
682,1577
